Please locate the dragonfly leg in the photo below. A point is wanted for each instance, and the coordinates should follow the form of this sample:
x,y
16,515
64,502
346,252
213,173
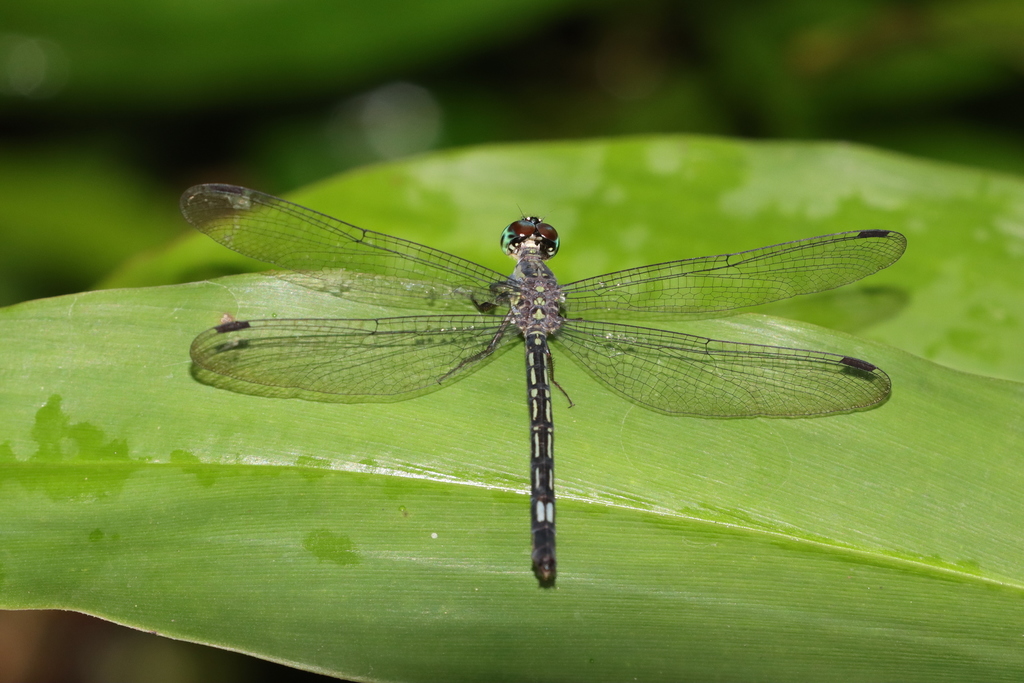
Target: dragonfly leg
x,y
551,373
495,340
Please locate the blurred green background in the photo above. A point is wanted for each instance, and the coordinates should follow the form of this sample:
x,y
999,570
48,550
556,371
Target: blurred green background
x,y
108,110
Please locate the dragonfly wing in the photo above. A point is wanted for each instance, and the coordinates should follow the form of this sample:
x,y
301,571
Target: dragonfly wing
x,y
747,278
686,374
357,359
334,256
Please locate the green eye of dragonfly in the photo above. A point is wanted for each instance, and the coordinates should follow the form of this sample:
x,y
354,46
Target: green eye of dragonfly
x,y
530,227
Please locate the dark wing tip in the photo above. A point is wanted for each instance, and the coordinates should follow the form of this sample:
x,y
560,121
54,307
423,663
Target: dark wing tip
x,y
210,343
895,243
858,363
232,326
874,233
202,203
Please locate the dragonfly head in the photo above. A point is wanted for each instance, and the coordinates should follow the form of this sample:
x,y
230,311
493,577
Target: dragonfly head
x,y
532,233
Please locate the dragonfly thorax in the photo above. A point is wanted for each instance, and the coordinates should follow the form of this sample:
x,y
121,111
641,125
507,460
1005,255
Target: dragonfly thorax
x,y
530,234
537,300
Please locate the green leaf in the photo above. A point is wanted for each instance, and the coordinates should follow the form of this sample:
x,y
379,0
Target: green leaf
x,y
390,541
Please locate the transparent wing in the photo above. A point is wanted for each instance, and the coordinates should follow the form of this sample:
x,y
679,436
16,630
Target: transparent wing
x,y
718,283
333,256
354,358
682,373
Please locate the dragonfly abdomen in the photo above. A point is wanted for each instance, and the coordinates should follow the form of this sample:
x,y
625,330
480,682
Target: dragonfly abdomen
x,y
542,465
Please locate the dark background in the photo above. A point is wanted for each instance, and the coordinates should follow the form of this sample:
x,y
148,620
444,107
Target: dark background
x,y
108,110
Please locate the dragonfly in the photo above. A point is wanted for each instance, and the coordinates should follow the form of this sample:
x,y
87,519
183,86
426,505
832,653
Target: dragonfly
x,y
479,311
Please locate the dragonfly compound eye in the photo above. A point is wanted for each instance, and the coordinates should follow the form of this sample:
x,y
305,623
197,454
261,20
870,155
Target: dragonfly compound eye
x,y
549,243
516,233
523,228
547,232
